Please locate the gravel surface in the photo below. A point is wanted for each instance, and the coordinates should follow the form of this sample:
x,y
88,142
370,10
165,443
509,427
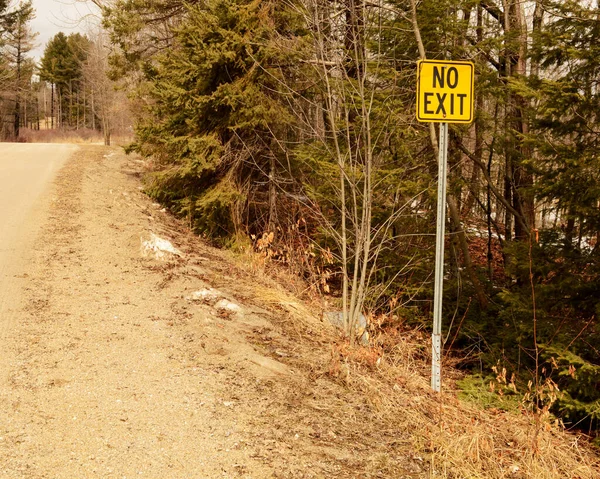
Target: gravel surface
x,y
109,369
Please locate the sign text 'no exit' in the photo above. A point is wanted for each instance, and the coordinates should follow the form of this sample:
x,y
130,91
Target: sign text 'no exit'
x,y
445,91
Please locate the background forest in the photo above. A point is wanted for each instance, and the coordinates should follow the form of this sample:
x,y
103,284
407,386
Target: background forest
x,y
289,126
68,90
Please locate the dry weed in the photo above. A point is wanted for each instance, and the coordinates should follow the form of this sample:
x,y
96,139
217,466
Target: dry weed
x,y
461,441
80,136
388,382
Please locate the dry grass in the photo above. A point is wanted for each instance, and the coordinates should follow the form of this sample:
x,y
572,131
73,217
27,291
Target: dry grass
x,y
459,440
448,438
60,136
443,437
81,136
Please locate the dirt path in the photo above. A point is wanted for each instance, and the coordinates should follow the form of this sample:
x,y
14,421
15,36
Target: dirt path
x,y
117,371
101,383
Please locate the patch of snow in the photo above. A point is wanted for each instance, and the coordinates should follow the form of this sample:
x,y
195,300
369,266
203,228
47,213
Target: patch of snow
x,y
215,298
158,248
207,295
228,306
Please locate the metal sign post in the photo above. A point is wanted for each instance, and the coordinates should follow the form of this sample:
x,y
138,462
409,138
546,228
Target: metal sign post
x,y
444,95
436,337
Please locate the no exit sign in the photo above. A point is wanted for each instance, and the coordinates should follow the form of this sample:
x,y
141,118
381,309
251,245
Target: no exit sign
x,y
445,91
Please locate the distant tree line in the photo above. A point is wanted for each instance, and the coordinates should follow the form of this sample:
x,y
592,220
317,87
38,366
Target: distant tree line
x,y
80,95
291,124
62,68
69,89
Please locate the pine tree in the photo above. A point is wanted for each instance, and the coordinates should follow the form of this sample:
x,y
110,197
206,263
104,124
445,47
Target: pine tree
x,y
565,262
214,117
62,67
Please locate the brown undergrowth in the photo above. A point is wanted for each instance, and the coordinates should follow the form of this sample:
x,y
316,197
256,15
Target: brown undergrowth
x,y
60,135
369,411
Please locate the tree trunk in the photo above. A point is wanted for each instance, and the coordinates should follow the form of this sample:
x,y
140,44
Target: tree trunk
x,y
93,112
272,194
84,107
52,107
17,122
106,127
518,152
70,119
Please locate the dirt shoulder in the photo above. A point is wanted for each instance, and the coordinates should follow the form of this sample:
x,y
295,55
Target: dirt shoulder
x,y
194,366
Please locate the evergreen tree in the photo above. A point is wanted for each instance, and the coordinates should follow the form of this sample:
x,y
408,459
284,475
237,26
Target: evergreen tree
x,y
214,118
62,67
142,29
564,262
3,12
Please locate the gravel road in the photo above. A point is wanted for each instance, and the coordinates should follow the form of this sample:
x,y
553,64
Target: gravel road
x,y
95,379
117,363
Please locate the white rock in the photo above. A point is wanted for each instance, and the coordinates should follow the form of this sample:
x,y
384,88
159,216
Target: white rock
x,y
361,329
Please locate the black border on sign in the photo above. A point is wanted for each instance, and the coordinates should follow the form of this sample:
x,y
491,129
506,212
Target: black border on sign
x,y
447,62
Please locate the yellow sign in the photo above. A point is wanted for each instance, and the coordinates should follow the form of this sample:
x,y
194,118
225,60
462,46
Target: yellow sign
x,y
445,91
